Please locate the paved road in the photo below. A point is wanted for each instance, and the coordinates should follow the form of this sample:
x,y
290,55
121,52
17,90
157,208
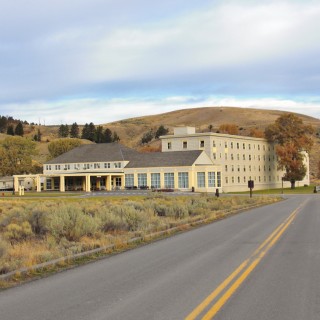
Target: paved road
x,y
262,274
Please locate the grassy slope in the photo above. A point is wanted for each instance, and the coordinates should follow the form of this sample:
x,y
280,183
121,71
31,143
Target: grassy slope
x,y
131,130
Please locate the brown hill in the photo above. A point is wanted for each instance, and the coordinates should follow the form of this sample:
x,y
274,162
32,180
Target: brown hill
x,y
131,130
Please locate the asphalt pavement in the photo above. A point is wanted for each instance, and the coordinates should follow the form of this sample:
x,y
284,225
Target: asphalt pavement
x,y
260,264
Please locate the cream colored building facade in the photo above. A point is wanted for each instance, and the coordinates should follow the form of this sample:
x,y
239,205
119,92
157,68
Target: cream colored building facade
x,y
112,166
241,158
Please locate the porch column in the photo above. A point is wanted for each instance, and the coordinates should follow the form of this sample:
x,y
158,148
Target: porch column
x,y
16,183
62,182
87,184
108,183
38,183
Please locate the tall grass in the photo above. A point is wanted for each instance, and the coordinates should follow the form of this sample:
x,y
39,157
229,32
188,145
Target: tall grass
x,y
36,231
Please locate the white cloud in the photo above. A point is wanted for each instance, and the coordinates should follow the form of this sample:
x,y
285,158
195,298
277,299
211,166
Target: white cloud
x,y
105,111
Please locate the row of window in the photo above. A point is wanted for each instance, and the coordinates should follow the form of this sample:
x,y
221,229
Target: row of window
x,y
244,168
245,179
213,180
232,145
85,166
244,157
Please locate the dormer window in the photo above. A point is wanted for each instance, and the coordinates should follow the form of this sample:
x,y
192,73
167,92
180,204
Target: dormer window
x,y
202,144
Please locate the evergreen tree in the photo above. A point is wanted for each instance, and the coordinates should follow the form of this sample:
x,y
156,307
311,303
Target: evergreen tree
x,y
85,132
99,136
92,131
74,131
115,138
161,132
108,136
19,129
3,124
10,130
64,131
147,137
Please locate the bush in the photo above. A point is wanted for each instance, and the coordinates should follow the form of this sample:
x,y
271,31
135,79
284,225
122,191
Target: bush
x,y
69,221
15,232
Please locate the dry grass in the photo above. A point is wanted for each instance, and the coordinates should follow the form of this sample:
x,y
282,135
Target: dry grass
x,y
34,232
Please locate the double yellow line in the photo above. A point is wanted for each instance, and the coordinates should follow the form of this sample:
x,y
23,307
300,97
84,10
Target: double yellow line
x,y
230,285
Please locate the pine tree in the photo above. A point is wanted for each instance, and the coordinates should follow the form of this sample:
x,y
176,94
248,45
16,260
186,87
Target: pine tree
x,y
108,136
10,130
19,129
64,131
74,131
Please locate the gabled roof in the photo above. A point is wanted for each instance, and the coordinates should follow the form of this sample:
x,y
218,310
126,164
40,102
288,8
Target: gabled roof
x,y
102,152
107,152
163,159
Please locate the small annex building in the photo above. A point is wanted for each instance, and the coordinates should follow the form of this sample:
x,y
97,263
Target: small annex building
x,y
110,166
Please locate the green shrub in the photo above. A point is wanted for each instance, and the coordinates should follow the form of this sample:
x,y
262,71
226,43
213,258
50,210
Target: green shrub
x,y
69,221
15,232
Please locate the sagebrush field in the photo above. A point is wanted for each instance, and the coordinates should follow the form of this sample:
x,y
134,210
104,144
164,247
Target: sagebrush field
x,y
34,231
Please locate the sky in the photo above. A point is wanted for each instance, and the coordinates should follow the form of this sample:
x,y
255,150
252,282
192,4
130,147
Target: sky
x,y
105,60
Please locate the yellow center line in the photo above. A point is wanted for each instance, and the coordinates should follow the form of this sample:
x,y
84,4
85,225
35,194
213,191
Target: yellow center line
x,y
218,305
260,252
216,292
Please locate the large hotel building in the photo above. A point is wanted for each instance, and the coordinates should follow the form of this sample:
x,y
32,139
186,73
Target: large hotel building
x,y
202,162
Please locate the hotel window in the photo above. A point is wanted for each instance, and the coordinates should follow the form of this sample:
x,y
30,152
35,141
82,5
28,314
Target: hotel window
x,y
249,157
244,179
249,146
142,180
169,146
202,144
213,143
201,179
259,158
244,146
238,168
226,144
238,179
231,156
232,168
107,165
184,144
155,180
226,168
232,179
244,168
183,180
264,148
250,168
117,164
237,145
218,179
49,184
211,179
244,157
238,156
258,146
169,180
129,180
226,156
227,181
97,165
231,145
214,156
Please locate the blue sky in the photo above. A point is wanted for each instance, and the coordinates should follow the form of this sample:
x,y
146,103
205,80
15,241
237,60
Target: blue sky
x,y
104,60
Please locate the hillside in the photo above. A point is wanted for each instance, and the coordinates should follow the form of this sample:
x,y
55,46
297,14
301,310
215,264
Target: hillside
x,y
131,130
